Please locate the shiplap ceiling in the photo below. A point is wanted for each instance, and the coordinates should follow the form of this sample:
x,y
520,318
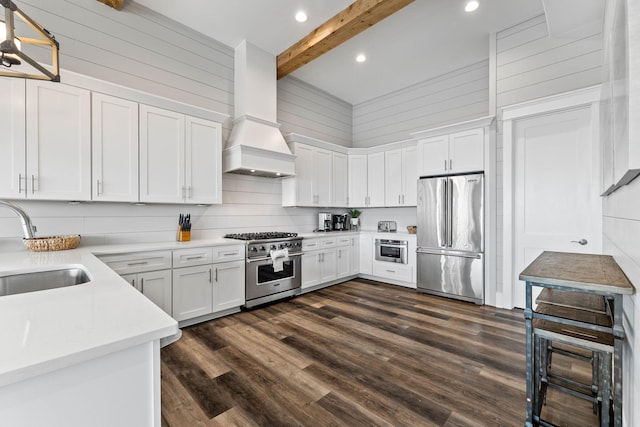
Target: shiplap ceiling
x,y
426,39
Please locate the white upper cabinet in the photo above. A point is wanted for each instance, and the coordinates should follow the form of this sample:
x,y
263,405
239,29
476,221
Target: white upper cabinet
x,y
180,158
340,179
400,169
114,149
452,153
320,180
12,143
358,194
375,179
203,161
58,159
162,149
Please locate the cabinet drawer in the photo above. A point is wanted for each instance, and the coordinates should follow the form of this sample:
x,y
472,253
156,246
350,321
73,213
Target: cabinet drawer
x,y
228,253
310,245
343,241
138,262
392,270
189,257
329,243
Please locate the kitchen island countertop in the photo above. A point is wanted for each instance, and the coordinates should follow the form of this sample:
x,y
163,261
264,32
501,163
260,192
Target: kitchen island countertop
x,y
49,330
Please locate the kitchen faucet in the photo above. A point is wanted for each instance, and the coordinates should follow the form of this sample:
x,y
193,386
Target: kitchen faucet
x,y
28,229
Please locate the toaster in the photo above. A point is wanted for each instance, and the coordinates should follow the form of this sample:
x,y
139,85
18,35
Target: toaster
x,y
387,226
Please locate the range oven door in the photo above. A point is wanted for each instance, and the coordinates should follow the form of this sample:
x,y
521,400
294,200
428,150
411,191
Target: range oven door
x,y
262,281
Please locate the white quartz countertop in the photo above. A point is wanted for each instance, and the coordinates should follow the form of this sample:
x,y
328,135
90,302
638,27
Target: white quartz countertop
x,y
158,246
48,330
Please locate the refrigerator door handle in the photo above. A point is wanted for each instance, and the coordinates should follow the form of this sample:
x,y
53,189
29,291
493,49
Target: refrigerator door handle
x,y
449,253
443,224
450,216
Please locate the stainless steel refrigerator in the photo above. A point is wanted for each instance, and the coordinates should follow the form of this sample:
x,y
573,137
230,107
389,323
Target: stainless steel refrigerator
x,y
451,236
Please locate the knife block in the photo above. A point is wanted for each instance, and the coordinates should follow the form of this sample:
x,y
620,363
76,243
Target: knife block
x,y
183,236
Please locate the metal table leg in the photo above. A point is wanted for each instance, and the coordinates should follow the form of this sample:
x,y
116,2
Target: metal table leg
x,y
618,334
528,316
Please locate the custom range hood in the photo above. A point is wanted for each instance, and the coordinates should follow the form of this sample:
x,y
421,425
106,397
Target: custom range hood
x,y
256,146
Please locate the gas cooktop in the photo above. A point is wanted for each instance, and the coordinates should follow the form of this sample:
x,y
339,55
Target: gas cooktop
x,y
265,235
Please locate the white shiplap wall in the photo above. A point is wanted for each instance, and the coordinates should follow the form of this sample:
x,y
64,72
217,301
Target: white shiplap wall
x,y
308,111
531,65
455,97
140,49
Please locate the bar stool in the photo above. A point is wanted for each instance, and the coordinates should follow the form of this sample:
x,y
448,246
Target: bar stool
x,y
577,335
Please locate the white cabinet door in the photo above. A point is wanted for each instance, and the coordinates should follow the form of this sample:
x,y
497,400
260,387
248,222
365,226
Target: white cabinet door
x,y
114,149
192,292
323,181
228,285
366,254
203,161
357,180
466,151
375,179
340,180
328,265
162,150
410,176
58,123
155,285
12,142
305,175
393,178
310,269
433,156
343,262
354,247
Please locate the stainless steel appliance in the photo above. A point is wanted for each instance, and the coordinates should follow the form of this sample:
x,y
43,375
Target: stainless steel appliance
x,y
387,226
325,221
264,281
340,222
451,236
392,250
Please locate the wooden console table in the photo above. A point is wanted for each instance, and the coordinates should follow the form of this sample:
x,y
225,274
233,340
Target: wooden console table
x,y
588,274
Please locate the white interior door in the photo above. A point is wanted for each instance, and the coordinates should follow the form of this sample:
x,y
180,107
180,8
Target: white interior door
x,y
556,196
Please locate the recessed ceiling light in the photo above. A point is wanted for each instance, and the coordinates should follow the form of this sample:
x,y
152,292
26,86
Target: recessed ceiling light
x,y
253,170
471,6
301,17
361,58
277,173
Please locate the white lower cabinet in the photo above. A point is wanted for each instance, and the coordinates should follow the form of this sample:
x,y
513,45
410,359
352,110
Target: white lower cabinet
x,y
393,270
192,292
228,285
155,285
343,261
318,267
366,254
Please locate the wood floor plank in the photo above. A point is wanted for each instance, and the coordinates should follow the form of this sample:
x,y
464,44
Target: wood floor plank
x,y
360,353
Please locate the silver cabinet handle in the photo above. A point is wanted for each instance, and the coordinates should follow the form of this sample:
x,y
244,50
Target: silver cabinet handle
x,y
131,264
399,202
20,183
445,164
216,274
391,271
210,280
191,258
183,192
142,285
581,242
450,164
33,185
189,193
98,191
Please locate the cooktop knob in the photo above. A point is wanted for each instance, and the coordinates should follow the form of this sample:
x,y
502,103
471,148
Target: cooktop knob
x,y
262,248
273,247
254,249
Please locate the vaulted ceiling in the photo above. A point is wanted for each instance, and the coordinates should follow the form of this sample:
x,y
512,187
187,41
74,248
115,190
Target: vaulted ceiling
x,y
425,39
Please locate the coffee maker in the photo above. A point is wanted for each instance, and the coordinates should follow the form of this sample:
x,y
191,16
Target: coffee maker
x,y
325,221
340,222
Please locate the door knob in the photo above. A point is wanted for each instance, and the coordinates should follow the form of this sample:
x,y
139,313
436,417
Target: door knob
x,y
580,242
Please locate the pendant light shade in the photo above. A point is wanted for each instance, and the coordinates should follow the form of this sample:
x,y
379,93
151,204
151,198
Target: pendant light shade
x,y
13,59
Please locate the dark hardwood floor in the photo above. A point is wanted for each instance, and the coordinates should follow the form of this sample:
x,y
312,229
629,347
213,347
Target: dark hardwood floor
x,y
358,354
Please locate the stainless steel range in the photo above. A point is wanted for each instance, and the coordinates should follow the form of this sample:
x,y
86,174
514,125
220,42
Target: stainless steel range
x,y
273,266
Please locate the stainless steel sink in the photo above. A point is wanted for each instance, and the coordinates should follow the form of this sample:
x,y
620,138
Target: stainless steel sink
x,y
19,283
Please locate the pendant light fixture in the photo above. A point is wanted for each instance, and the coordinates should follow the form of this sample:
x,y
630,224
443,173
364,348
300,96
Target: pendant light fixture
x,y
11,46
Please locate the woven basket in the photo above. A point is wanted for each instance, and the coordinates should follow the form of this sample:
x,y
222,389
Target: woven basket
x,y
53,243
412,229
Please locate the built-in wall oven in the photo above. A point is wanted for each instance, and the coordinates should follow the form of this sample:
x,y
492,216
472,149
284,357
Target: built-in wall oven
x,y
392,250
273,266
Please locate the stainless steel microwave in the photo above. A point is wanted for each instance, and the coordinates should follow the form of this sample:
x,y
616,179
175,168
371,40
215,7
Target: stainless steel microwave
x,y
392,250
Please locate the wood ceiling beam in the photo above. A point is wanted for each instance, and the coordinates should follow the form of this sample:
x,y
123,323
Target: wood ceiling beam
x,y
116,4
348,23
